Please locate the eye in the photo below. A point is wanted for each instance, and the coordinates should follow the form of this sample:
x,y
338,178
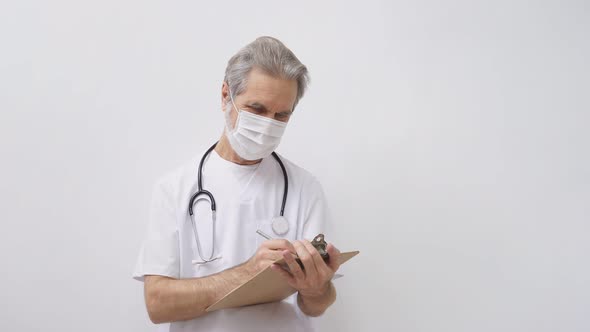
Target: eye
x,y
256,110
282,116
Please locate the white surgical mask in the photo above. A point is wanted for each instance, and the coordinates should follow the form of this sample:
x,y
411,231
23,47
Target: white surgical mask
x,y
253,137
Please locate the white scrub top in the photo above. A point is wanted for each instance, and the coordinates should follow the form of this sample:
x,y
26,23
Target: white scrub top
x,y
247,198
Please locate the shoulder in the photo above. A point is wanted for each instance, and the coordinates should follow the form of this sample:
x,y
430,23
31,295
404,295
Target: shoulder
x,y
301,177
178,181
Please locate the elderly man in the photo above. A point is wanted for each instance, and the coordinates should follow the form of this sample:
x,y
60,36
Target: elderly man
x,y
202,239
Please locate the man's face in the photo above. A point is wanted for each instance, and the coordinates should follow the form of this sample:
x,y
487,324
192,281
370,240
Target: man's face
x,y
265,95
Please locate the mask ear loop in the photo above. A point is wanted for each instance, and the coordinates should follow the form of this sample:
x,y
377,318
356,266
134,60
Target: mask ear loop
x,y
232,101
228,116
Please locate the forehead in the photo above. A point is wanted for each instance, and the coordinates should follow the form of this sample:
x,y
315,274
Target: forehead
x,y
270,91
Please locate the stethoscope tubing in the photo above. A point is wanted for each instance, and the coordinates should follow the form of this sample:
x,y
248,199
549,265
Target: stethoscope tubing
x,y
203,192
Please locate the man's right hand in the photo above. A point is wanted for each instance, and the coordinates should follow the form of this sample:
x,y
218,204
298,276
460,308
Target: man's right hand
x,y
268,252
170,300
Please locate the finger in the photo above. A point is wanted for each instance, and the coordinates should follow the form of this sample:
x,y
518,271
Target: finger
x,y
305,257
271,255
334,261
315,255
278,244
324,272
294,268
284,274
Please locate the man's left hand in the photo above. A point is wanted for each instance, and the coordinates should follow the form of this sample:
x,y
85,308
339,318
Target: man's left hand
x,y
314,279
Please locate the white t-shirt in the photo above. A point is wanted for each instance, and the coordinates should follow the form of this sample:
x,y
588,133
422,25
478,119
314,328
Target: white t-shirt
x,y
247,198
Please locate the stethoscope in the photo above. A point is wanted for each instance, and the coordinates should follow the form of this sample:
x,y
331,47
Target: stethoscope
x,y
280,225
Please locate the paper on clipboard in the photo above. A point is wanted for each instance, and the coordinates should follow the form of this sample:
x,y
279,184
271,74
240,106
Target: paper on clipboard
x,y
266,286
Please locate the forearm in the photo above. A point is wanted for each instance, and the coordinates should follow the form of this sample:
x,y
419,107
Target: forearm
x,y
171,300
315,306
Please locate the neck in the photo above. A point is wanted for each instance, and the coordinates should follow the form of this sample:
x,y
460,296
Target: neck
x,y
225,151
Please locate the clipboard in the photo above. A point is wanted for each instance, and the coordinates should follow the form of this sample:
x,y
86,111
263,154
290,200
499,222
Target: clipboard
x,y
266,286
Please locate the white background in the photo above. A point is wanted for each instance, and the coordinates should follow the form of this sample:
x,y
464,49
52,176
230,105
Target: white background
x,y
452,139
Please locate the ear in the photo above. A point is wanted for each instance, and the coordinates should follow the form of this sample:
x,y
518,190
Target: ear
x,y
224,95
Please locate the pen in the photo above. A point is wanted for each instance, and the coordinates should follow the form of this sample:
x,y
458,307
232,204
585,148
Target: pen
x,y
264,235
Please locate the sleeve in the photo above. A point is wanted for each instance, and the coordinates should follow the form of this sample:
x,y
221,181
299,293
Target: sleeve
x,y
160,253
318,218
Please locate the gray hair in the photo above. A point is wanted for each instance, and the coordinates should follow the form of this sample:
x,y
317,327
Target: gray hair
x,y
270,55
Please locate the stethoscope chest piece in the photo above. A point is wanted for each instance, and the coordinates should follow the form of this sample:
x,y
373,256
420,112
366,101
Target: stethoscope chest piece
x,y
280,225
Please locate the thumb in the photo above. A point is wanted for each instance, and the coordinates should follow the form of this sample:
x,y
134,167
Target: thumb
x,y
334,261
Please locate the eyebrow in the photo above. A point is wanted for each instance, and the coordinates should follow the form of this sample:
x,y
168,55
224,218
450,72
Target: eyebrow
x,y
261,107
